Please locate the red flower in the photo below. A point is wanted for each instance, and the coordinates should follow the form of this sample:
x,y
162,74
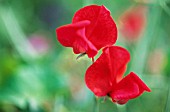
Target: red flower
x,y
133,22
91,29
104,76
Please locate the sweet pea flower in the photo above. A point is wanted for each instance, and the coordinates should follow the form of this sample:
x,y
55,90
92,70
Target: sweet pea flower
x,y
92,28
132,23
105,76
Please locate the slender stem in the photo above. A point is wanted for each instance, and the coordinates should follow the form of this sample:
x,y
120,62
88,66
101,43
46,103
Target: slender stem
x,y
121,108
167,108
96,104
92,60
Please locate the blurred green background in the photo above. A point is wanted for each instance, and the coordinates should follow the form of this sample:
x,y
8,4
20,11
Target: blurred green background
x,y
37,74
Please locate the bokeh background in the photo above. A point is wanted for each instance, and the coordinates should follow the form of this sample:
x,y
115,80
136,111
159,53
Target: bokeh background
x,y
37,74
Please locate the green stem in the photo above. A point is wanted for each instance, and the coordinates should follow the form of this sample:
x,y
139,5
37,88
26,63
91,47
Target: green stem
x,y
121,108
96,104
167,108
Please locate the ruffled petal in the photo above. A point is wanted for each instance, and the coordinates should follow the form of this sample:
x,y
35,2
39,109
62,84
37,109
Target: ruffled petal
x,y
73,35
102,31
118,59
128,88
97,77
107,70
142,86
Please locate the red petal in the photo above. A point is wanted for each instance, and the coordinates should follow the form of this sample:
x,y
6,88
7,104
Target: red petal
x,y
128,88
133,22
97,76
102,74
118,59
73,35
142,86
102,31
